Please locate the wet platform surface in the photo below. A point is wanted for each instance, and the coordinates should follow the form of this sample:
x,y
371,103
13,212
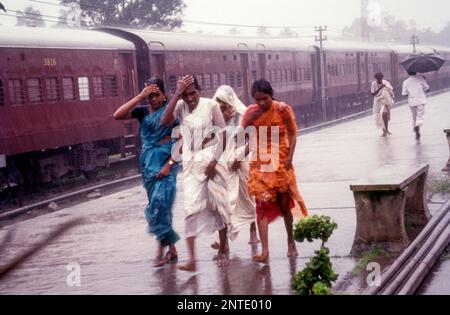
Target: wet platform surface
x,y
115,253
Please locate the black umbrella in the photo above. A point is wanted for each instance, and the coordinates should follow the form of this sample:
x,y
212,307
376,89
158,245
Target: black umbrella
x,y
423,63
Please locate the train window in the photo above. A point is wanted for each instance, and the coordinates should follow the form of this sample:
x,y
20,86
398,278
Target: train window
x,y
207,81
268,76
200,80
173,83
97,84
291,76
308,74
329,69
52,89
68,89
2,94
34,90
15,90
111,86
223,78
254,75
83,88
239,79
216,80
294,75
277,57
273,76
231,80
269,57
285,75
224,58
235,58
280,76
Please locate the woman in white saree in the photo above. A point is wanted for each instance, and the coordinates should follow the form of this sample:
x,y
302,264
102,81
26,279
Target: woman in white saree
x,y
242,205
205,175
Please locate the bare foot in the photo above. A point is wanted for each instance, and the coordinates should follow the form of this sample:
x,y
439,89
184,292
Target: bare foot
x,y
189,267
292,251
253,239
159,260
215,245
223,260
159,263
263,258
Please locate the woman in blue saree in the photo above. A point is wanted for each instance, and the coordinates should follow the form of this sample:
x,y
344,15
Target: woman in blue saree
x,y
159,170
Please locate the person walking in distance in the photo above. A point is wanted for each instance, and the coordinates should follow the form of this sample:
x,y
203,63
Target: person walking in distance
x,y
415,88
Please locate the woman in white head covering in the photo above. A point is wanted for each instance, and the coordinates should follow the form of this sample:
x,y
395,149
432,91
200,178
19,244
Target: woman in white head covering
x,y
242,205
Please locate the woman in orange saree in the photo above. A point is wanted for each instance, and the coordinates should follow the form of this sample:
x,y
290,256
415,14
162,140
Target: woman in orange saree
x,y
272,180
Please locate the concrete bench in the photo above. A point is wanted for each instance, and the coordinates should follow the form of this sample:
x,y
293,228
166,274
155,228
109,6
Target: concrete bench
x,y
389,204
447,168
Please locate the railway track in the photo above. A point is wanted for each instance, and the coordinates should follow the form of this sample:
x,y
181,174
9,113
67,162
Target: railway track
x,y
406,274
77,193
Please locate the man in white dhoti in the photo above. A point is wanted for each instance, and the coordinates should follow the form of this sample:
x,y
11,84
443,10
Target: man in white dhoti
x,y
415,88
383,94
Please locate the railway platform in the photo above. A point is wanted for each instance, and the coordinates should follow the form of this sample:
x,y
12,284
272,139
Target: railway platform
x,y
113,252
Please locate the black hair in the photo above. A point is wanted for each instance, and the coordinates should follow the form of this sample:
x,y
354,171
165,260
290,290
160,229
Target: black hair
x,y
263,86
157,82
195,83
378,74
412,73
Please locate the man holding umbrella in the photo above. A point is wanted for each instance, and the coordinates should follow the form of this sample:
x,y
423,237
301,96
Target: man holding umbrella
x,y
415,88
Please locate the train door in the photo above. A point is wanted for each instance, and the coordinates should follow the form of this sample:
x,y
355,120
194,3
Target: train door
x,y
129,143
262,61
127,73
316,75
359,70
366,70
245,77
393,68
158,66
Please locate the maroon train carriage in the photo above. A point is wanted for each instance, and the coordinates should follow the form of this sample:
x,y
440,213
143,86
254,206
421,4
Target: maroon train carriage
x,y
288,63
292,65
58,90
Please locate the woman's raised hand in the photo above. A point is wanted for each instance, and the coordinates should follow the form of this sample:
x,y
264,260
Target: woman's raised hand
x,y
183,84
229,113
149,89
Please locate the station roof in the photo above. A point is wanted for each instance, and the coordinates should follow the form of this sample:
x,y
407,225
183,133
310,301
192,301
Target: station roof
x,y
60,38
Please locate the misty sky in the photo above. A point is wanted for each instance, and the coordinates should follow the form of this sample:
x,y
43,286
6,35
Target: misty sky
x,y
334,13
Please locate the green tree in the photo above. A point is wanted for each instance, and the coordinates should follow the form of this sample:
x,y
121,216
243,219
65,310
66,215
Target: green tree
x,y
30,17
162,14
391,30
